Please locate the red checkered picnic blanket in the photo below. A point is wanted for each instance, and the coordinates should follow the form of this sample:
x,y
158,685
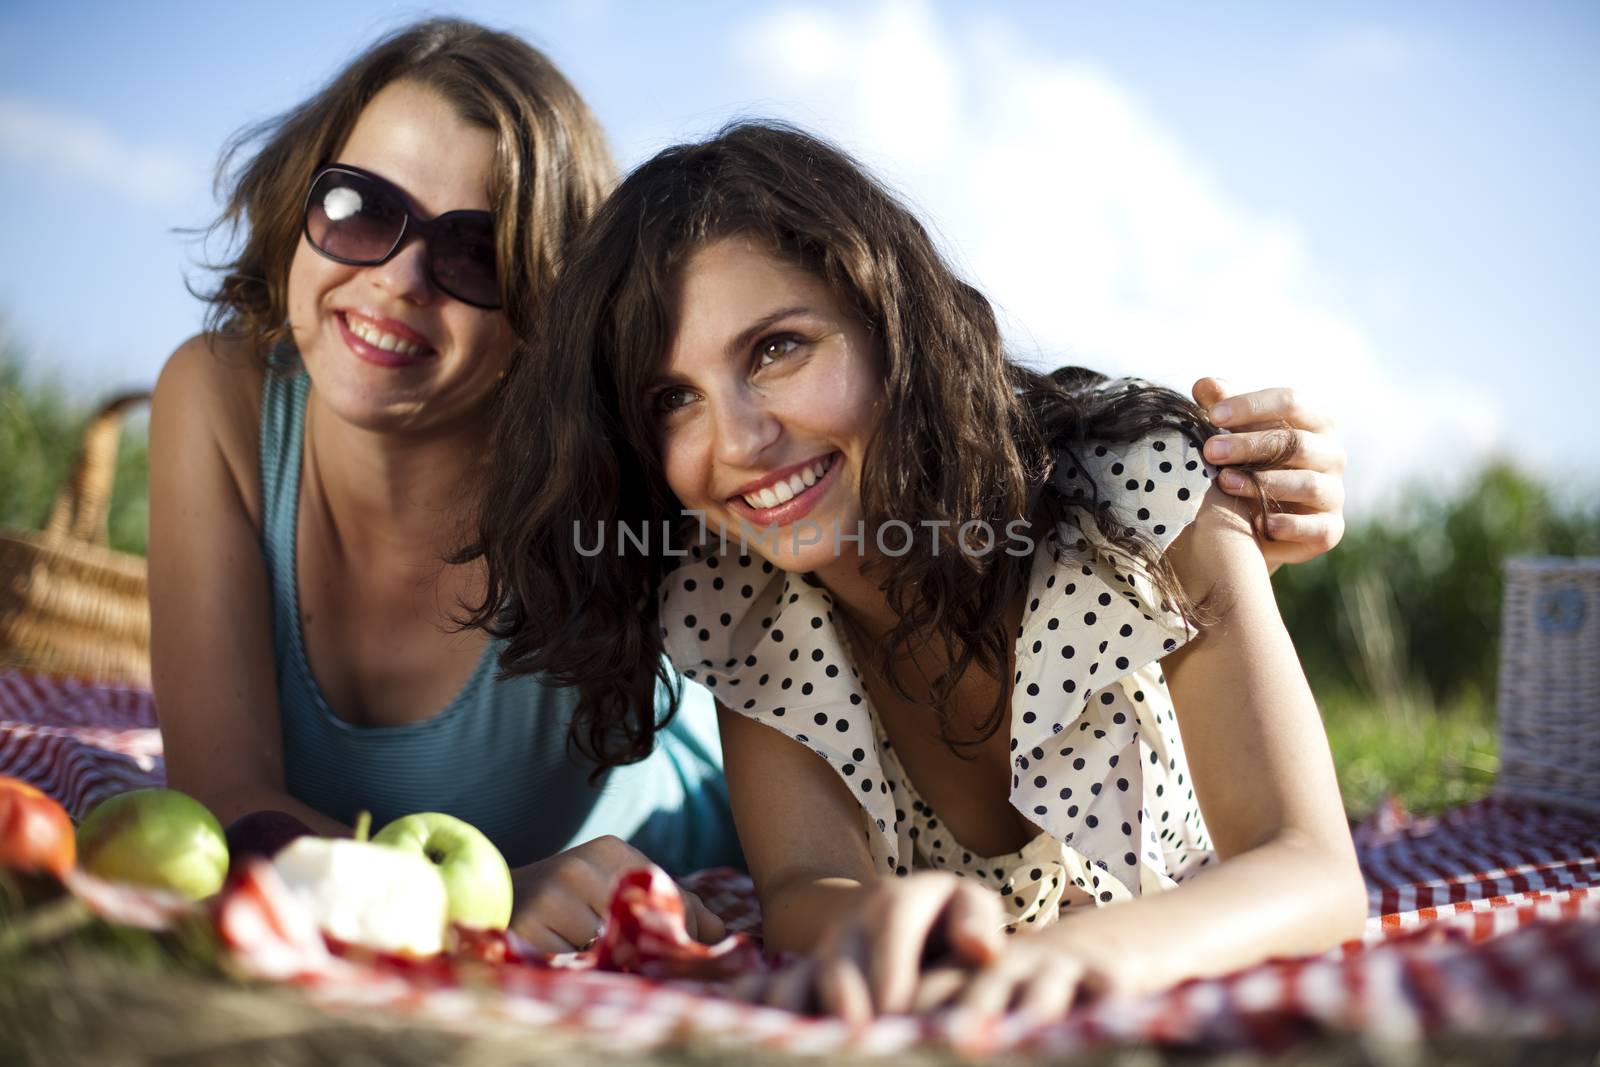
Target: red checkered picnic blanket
x,y
1484,920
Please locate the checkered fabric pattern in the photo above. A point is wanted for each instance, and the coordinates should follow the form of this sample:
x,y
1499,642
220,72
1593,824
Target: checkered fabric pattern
x,y
1484,920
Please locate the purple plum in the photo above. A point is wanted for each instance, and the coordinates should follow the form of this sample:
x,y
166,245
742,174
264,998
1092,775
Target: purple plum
x,y
262,834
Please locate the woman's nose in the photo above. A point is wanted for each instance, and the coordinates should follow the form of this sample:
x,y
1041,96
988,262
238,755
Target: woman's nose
x,y
745,428
405,274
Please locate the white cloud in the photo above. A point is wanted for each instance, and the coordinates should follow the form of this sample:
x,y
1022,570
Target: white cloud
x,y
81,148
1369,51
1099,233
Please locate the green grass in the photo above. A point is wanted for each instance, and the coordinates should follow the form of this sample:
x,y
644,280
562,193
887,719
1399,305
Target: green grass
x,y
1430,757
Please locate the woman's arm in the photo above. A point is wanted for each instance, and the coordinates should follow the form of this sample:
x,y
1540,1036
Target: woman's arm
x,y
800,829
1289,883
210,610
802,835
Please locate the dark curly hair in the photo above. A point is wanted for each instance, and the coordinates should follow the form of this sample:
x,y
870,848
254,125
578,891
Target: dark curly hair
x,y
966,433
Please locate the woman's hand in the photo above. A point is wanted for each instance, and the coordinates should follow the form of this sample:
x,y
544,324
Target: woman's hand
x,y
561,901
1041,974
907,945
1308,481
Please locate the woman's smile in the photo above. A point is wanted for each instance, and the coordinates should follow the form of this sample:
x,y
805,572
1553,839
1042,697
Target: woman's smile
x,y
383,341
787,495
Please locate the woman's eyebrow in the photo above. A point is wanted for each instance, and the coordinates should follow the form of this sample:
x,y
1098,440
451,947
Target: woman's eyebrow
x,y
747,336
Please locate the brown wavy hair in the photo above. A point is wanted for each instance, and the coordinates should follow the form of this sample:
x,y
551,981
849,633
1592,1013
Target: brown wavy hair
x,y
966,433
551,167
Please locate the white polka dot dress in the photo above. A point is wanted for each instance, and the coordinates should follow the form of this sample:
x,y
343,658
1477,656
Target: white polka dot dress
x,y
1097,760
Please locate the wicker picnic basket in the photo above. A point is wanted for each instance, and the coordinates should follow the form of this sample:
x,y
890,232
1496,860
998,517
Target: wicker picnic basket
x,y
1549,700
69,604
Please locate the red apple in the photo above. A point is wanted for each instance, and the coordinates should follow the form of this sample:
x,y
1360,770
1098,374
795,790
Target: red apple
x,y
35,832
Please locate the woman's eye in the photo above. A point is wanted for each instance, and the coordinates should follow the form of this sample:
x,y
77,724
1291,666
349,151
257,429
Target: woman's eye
x,y
775,348
670,400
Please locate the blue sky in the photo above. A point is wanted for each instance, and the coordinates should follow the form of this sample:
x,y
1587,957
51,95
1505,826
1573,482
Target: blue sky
x,y
1393,206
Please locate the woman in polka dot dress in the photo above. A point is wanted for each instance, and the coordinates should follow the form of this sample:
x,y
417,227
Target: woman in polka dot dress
x,y
994,652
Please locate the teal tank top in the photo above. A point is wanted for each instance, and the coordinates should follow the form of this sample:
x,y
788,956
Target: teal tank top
x,y
497,754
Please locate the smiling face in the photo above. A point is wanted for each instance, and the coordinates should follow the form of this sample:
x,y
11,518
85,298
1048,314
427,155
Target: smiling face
x,y
766,400
385,348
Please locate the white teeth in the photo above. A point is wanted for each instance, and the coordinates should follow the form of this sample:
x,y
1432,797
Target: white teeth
x,y
782,492
379,339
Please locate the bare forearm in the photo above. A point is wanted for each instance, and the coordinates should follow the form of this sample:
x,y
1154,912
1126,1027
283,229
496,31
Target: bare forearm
x,y
794,917
1284,898
229,804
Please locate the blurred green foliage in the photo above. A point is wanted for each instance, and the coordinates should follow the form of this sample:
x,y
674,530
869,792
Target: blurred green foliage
x,y
40,431
1407,610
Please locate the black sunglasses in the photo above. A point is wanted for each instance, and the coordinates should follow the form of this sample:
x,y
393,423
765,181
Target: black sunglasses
x,y
359,218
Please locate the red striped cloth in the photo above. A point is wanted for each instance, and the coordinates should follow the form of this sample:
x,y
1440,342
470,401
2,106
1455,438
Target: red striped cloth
x,y
1484,920
77,740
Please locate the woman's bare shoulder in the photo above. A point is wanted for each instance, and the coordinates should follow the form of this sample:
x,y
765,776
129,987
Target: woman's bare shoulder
x,y
209,394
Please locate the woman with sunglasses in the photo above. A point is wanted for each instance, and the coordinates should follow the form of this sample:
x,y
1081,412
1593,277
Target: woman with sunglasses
x,y
312,456
954,610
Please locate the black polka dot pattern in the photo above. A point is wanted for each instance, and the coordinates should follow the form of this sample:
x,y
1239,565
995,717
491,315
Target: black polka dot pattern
x,y
1097,758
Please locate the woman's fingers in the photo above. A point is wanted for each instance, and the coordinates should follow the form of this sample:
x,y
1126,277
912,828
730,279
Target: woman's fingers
x,y
556,921
842,984
1041,985
542,939
592,871
1207,391
1049,992
990,991
973,924
938,987
1311,490
704,924
592,879
1264,407
1279,447
897,937
1304,463
561,900
750,987
791,989
1311,535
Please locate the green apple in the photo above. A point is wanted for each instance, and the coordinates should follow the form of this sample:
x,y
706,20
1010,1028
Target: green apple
x,y
367,894
476,877
155,837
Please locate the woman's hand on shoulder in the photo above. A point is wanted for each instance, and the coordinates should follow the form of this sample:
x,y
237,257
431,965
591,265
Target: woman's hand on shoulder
x,y
1307,478
561,902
